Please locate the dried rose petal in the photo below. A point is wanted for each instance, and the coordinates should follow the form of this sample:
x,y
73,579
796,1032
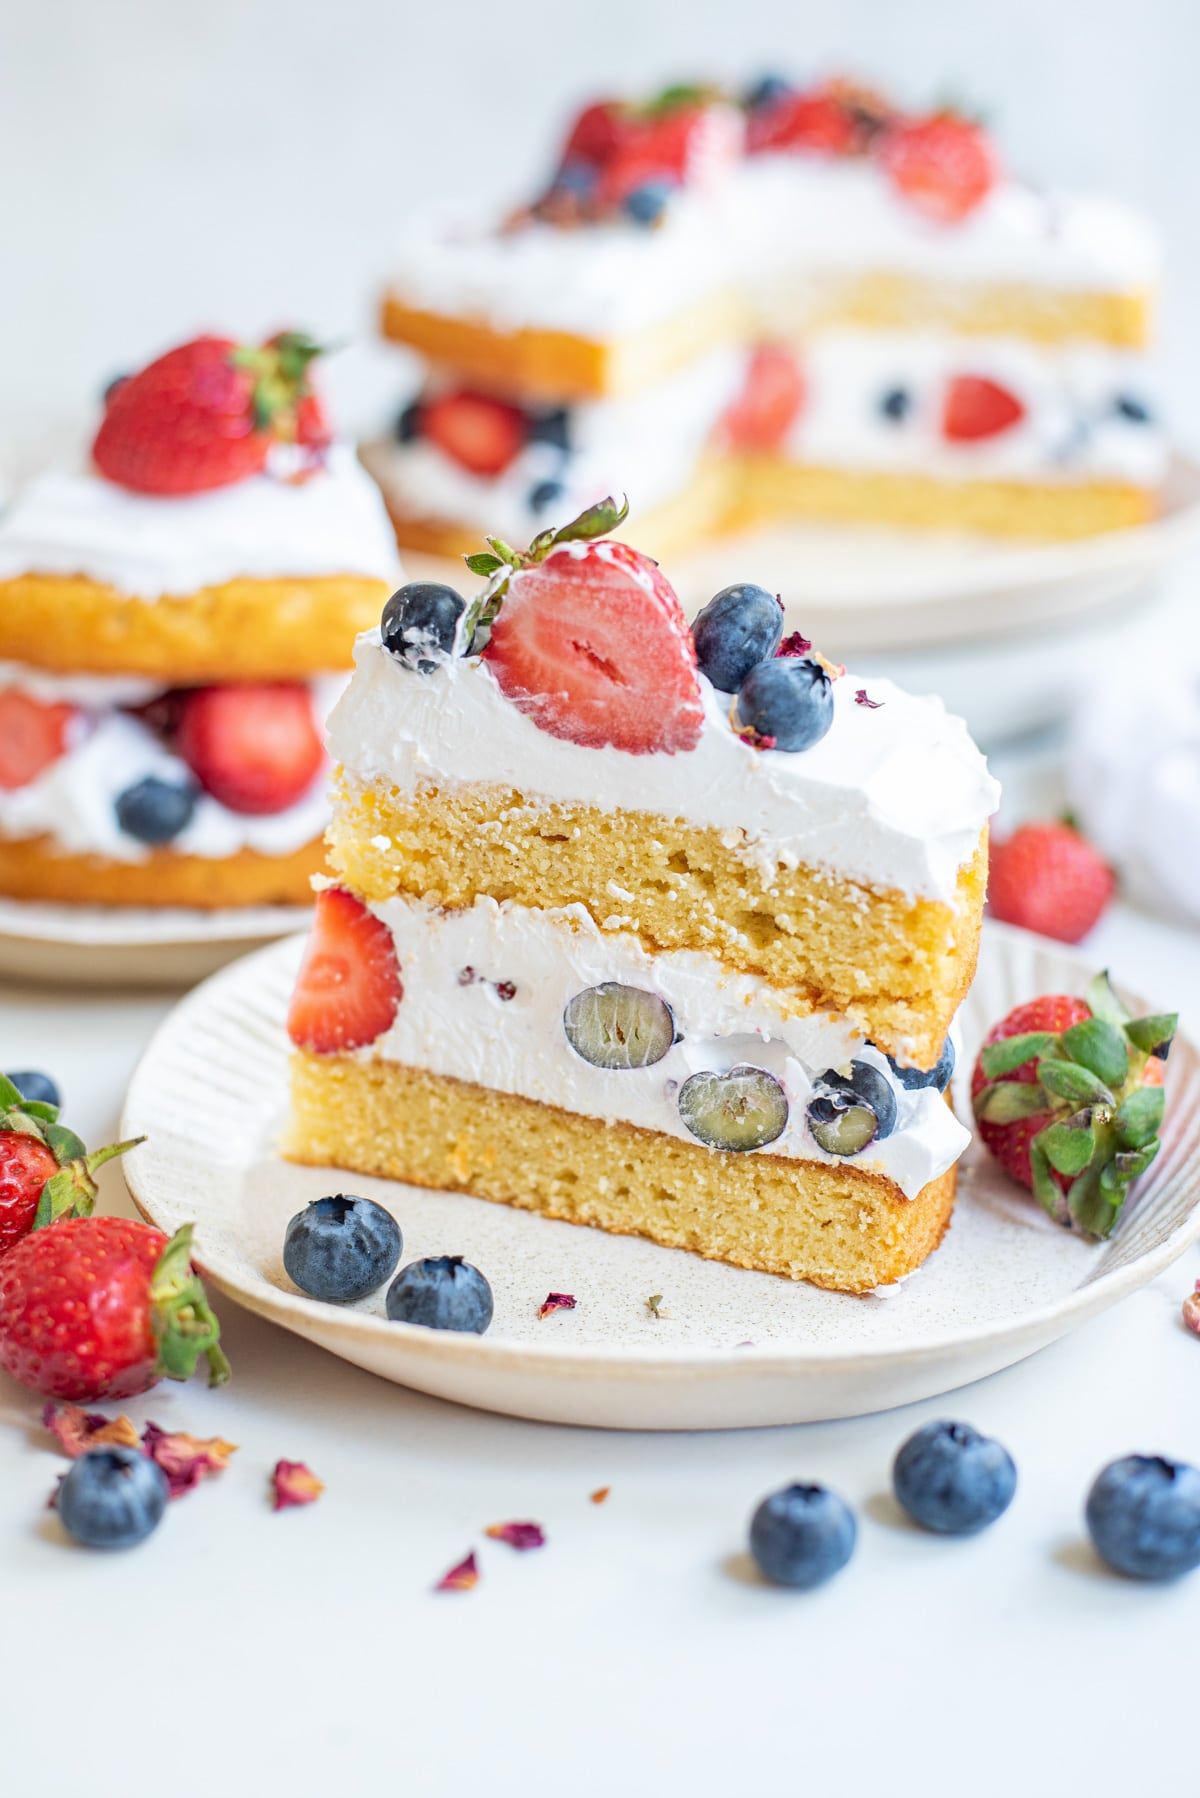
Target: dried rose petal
x,y
294,1484
517,1535
186,1460
600,1494
461,1577
860,698
795,645
76,1430
556,1301
1191,1310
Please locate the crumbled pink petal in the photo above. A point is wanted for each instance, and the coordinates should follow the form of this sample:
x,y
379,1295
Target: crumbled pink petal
x,y
556,1301
186,1460
294,1484
860,698
517,1535
461,1577
795,645
600,1494
1191,1310
76,1430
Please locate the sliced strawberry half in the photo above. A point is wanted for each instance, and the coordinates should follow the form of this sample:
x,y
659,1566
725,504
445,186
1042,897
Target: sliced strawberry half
x,y
592,644
349,987
256,749
475,430
944,166
32,736
819,121
975,407
768,405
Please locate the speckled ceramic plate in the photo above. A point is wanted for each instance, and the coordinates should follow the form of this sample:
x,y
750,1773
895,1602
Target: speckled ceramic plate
x,y
728,1348
132,945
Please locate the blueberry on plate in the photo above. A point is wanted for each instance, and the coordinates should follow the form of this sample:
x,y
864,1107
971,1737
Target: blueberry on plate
x,y
112,1498
802,1536
419,624
896,404
442,1292
952,1480
1143,1515
154,810
34,1085
847,1112
738,628
615,1026
407,427
550,424
341,1248
789,699
939,1075
545,494
743,1109
648,201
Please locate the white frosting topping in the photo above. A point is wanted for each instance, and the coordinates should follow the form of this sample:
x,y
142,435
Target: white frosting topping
x,y
464,1029
76,522
895,797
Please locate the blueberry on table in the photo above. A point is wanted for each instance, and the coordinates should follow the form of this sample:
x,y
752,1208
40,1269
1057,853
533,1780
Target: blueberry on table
x,y
789,699
952,1480
939,1075
156,811
419,624
1143,1515
442,1292
112,1498
743,1109
34,1085
802,1536
738,628
847,1112
341,1248
614,1026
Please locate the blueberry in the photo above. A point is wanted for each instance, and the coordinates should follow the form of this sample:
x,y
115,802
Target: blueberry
x,y
802,1536
443,1292
745,1108
33,1085
550,424
790,699
1143,1514
419,624
615,1026
407,427
896,404
341,1248
647,202
154,810
110,387
913,1079
576,177
767,90
545,494
1135,411
740,627
847,1112
112,1498
951,1479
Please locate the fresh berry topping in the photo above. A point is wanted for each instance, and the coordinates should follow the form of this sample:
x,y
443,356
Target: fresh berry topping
x,y
1068,1097
769,403
550,424
32,1084
32,736
348,988
339,1249
766,91
206,414
1133,410
407,427
615,1026
938,1076
943,166
256,749
788,700
819,121
420,623
1048,878
154,810
1143,1515
46,1172
952,1480
478,432
313,430
738,628
974,407
639,181
546,493
102,1307
597,133
26,1164
848,1112
111,386
896,404
802,1536
576,178
745,1108
112,1498
442,1292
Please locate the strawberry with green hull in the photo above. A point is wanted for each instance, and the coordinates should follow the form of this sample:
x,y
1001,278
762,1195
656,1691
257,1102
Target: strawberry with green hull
x,y
1068,1097
46,1172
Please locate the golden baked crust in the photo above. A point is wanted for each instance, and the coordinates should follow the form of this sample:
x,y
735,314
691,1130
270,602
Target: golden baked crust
x,y
32,868
835,1226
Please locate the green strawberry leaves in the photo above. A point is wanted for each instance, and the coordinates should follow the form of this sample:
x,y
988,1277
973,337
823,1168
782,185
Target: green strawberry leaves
x,y
499,562
185,1325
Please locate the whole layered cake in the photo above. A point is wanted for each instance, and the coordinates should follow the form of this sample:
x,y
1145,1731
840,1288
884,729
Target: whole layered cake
x,y
175,620
654,929
793,303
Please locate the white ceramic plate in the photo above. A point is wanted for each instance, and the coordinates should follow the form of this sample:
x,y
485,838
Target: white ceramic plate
x,y
737,1348
130,945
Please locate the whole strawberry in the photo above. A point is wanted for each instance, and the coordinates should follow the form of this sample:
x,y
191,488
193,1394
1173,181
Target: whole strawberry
x,y
944,165
103,1308
1068,1097
206,414
1048,878
46,1173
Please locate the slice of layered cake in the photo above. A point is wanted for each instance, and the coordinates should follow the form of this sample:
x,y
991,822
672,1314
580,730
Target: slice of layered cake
x,y
654,929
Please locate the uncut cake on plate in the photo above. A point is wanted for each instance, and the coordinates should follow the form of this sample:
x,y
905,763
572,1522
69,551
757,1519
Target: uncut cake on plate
x,y
653,929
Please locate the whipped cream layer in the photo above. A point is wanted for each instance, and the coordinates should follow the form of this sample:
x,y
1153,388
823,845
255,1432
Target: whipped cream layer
x,y
73,800
453,1020
894,798
74,522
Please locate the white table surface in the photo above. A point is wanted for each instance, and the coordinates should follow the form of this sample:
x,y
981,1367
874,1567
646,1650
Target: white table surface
x,y
305,1652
